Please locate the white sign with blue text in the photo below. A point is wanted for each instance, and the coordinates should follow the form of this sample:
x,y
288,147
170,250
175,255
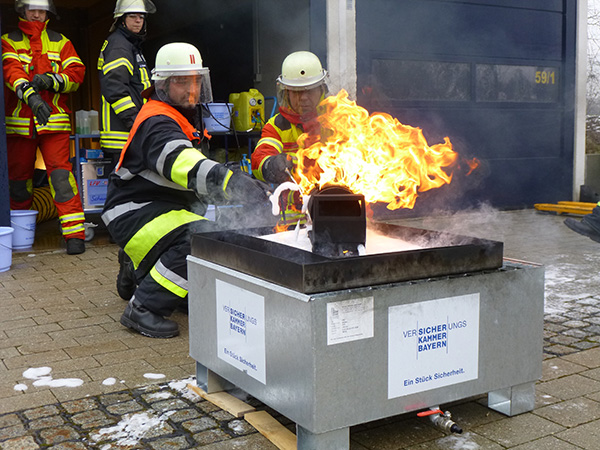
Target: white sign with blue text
x,y
432,344
241,329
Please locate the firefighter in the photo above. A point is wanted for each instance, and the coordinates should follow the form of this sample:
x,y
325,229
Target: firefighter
x,y
123,74
161,187
41,67
300,88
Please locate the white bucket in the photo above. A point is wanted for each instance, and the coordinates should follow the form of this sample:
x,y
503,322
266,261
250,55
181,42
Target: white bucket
x,y
6,234
219,118
23,221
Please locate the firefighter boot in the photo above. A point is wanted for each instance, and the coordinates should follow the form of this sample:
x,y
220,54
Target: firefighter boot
x,y
588,226
126,278
147,323
75,246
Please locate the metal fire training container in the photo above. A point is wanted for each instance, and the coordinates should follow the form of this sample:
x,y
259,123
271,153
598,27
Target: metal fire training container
x,y
335,342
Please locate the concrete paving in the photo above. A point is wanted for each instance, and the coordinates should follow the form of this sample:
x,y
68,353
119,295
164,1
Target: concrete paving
x,y
110,388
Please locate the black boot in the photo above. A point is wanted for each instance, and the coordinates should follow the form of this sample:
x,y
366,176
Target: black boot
x,y
126,278
583,228
75,246
147,323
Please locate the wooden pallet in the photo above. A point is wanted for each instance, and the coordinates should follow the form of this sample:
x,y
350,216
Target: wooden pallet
x,y
578,208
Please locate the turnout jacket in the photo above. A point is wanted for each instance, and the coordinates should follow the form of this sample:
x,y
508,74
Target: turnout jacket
x,y
31,50
161,171
123,76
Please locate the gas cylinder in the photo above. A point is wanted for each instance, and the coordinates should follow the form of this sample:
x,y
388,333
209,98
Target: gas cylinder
x,y
248,110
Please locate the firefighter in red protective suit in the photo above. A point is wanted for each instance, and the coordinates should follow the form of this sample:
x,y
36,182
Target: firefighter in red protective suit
x,y
41,68
300,88
161,188
123,74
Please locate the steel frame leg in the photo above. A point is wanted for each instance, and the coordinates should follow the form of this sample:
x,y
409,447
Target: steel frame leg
x,y
330,440
209,381
513,400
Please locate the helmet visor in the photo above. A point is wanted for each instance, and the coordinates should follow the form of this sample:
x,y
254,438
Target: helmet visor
x,y
185,91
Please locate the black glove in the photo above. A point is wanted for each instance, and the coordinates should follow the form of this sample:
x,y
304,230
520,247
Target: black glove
x,y
41,109
274,168
242,188
48,82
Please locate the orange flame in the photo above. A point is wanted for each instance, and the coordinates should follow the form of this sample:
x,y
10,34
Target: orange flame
x,y
375,155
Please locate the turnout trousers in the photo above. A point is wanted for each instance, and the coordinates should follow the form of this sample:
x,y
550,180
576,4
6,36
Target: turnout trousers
x,y
158,246
65,193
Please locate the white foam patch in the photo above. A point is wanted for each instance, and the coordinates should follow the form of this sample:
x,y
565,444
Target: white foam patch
x,y
34,373
160,395
109,381
458,442
20,387
130,429
154,376
60,382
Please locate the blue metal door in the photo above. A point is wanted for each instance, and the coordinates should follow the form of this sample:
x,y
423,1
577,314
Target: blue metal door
x,y
495,76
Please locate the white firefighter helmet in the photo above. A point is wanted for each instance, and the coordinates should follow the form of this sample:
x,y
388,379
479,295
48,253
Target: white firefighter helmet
x,y
133,6
302,70
23,5
181,63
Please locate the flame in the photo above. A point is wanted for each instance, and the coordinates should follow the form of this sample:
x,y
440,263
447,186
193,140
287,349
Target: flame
x,y
375,155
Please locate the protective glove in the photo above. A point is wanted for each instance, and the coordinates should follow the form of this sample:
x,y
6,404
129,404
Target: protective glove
x,y
241,188
48,81
274,168
41,109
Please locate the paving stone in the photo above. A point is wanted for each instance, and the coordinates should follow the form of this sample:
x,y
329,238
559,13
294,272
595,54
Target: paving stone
x,y
221,415
171,443
70,446
547,443
110,399
8,420
588,358
46,422
386,437
466,441
169,405
569,387
124,407
92,419
559,367
184,415
240,427
253,442
59,434
586,436
20,443
11,432
571,413
200,424
210,436
518,430
42,411
84,404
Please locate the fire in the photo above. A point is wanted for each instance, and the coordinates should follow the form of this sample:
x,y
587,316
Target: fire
x,y
376,156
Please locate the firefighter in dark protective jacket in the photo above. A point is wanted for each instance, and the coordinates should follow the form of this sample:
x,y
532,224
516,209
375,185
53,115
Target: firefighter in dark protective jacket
x,y
300,88
41,68
123,74
160,189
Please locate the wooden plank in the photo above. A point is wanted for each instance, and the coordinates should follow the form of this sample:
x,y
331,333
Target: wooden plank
x,y
225,401
270,428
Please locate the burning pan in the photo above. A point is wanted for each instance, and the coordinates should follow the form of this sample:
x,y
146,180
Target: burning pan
x,y
442,254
